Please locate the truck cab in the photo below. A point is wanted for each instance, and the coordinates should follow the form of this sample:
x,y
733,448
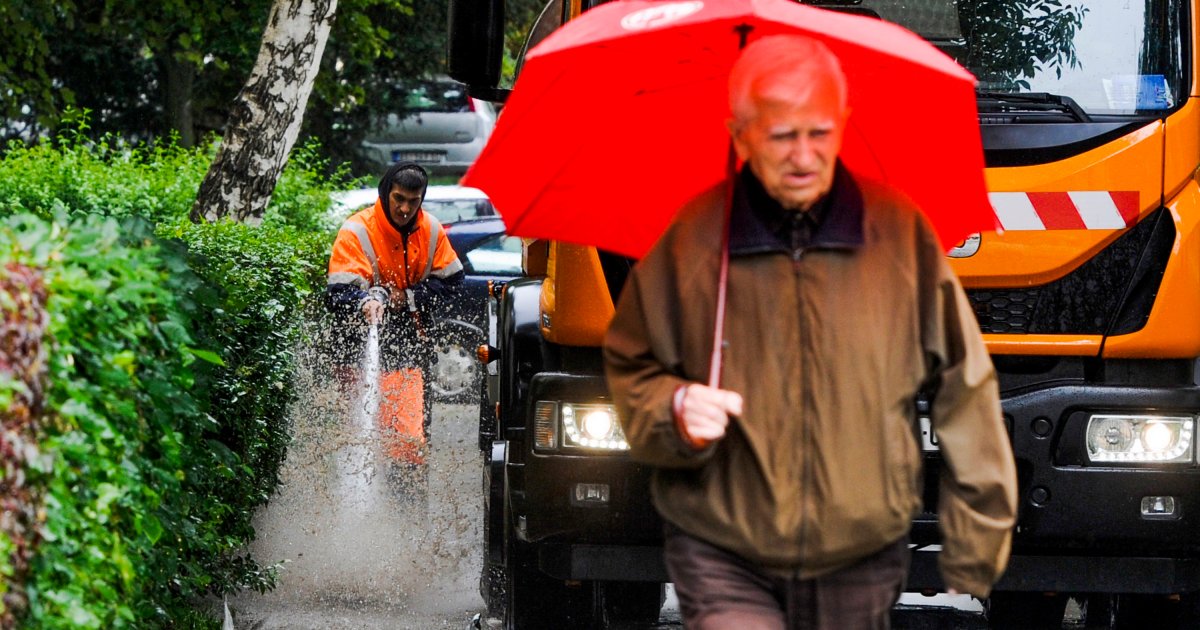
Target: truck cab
x,y
1088,297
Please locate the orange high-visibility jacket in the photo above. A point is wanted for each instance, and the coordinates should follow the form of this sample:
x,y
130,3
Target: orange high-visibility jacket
x,y
370,252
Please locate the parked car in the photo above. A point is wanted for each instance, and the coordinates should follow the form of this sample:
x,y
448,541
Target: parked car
x,y
435,125
450,204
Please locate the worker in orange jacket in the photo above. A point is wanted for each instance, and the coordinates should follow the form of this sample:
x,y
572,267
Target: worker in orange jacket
x,y
391,265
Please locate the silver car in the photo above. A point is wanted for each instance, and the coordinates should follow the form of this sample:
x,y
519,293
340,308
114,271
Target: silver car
x,y
439,127
449,203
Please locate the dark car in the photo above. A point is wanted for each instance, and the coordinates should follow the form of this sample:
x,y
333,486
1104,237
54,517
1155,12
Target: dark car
x,y
487,253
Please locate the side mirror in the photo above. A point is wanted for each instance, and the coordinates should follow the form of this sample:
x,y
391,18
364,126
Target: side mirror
x,y
476,42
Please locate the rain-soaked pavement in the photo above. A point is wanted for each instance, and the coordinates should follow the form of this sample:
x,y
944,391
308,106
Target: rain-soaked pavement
x,y
361,550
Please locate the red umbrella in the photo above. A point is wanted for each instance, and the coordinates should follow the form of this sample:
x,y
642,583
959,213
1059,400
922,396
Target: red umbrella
x,y
618,118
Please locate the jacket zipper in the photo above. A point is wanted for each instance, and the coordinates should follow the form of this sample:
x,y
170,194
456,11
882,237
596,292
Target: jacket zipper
x,y
805,428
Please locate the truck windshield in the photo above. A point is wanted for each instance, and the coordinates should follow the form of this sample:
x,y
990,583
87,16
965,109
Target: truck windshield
x,y
1116,57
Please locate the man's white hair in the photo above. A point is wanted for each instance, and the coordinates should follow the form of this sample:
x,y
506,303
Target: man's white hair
x,y
785,68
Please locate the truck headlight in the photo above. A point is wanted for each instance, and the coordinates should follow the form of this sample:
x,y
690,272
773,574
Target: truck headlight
x,y
1140,439
590,426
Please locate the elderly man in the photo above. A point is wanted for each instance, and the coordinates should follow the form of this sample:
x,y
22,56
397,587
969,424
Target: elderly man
x,y
788,492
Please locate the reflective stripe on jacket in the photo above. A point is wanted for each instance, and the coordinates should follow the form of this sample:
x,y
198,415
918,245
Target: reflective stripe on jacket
x,y
368,251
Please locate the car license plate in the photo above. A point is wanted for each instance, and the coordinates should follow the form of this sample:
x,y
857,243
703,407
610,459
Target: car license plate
x,y
424,157
929,440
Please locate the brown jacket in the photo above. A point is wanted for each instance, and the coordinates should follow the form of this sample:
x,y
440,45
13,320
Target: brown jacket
x,y
823,467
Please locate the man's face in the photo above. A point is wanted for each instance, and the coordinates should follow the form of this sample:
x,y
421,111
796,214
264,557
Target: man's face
x,y
403,204
792,146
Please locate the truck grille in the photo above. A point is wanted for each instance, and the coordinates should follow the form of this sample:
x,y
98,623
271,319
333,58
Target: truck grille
x,y
1004,311
1109,294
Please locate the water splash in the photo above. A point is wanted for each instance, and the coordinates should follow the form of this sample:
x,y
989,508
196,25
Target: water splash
x,y
369,403
358,553
360,458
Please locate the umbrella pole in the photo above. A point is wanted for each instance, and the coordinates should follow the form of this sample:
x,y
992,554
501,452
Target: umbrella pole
x,y
714,364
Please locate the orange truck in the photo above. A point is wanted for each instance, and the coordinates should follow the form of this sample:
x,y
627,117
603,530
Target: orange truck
x,y
1089,300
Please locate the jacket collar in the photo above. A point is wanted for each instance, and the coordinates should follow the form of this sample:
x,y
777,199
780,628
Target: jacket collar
x,y
840,228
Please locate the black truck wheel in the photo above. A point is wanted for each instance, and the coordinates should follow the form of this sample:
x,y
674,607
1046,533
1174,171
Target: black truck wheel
x,y
1098,611
1157,611
536,601
627,602
493,576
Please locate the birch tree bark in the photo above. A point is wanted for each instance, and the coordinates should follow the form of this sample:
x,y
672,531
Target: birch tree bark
x,y
265,118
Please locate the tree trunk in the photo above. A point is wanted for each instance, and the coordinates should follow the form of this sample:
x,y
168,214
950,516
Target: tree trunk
x,y
179,78
265,118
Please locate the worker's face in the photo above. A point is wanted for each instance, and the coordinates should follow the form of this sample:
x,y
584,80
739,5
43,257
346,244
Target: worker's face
x,y
403,204
792,146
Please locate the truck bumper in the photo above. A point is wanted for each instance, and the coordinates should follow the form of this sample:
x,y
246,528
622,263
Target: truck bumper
x,y
548,513
1067,574
603,562
1070,505
1075,574
1080,526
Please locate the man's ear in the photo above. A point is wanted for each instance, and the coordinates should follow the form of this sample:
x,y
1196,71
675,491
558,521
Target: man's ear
x,y
735,129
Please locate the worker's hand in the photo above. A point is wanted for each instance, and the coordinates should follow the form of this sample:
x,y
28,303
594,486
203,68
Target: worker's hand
x,y
706,410
372,311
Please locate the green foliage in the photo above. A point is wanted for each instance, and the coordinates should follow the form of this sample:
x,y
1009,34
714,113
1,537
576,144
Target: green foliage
x,y
141,49
170,358
27,100
262,276
302,192
158,181
202,50
121,422
107,177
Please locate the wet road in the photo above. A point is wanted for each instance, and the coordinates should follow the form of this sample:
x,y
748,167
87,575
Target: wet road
x,y
362,550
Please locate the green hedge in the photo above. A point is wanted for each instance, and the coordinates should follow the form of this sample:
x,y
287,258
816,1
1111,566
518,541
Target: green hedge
x,y
169,358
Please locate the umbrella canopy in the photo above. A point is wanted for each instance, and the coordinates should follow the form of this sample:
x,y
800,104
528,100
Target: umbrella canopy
x,y
618,118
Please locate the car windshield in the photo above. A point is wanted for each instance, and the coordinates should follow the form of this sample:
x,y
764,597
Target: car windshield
x,y
1115,57
434,97
449,211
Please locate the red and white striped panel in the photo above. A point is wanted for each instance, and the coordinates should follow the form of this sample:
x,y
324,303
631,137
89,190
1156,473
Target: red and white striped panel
x,y
1075,210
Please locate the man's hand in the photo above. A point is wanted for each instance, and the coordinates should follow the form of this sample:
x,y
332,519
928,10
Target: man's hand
x,y
372,311
706,410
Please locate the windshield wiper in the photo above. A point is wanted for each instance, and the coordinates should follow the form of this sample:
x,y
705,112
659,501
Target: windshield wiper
x,y
1003,102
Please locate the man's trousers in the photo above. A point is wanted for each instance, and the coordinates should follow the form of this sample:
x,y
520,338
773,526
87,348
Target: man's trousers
x,y
719,590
